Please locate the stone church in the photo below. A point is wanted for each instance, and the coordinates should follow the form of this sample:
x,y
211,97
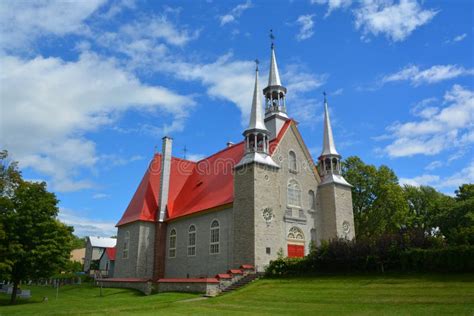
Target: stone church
x,y
244,205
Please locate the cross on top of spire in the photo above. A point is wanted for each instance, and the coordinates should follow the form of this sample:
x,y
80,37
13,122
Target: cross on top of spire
x,y
325,97
256,64
272,37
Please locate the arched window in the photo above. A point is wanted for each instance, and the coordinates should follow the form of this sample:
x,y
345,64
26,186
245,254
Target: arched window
x,y
296,233
328,164
214,246
172,248
312,200
126,244
335,165
294,194
192,240
292,161
313,236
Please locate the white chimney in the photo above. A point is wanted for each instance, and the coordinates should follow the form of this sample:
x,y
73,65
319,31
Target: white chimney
x,y
165,175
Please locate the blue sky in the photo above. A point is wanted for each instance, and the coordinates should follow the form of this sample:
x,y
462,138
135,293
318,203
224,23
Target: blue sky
x,y
89,88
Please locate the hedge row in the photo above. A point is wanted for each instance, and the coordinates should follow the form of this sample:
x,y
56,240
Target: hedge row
x,y
349,257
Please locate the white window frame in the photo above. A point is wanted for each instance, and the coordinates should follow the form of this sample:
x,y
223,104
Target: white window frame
x,y
192,246
126,245
292,162
214,244
293,187
173,240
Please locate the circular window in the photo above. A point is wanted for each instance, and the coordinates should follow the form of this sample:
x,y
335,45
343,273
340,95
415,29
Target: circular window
x,y
346,227
267,214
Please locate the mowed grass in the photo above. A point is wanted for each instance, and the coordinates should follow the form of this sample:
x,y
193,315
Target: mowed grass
x,y
323,295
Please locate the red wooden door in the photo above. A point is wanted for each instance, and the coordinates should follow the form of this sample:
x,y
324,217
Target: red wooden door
x,y
295,251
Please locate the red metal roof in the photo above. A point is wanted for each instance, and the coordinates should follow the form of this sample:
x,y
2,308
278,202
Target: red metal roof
x,y
223,276
111,253
194,186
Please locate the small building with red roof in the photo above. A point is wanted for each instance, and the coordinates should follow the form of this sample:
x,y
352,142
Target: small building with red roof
x,y
107,262
241,206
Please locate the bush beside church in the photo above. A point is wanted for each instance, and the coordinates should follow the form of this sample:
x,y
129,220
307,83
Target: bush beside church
x,y
407,252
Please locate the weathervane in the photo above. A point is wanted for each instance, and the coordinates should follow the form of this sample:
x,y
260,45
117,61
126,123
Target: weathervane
x,y
256,64
272,37
184,152
325,99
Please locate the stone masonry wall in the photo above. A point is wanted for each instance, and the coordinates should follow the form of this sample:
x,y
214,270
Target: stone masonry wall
x,y
328,212
243,217
302,217
344,211
139,263
203,264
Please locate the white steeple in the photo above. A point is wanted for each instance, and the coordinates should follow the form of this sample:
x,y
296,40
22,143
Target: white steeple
x,y
330,160
328,140
256,134
274,77
275,97
256,118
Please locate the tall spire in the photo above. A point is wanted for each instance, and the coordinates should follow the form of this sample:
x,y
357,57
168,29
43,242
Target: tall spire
x,y
275,93
256,135
274,77
256,117
330,161
328,140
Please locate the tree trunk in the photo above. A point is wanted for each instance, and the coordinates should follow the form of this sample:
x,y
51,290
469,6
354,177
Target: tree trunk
x,y
15,288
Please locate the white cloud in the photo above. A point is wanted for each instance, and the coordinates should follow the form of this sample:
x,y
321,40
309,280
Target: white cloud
x,y
22,22
434,165
447,127
306,24
158,27
118,7
235,13
430,75
99,196
85,226
333,4
49,104
225,79
146,41
113,160
450,183
426,179
458,38
396,20
299,80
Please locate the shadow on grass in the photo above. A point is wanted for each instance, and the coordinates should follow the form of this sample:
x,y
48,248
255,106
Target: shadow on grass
x,y
19,301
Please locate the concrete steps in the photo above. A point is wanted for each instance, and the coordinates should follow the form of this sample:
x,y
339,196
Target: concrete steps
x,y
240,283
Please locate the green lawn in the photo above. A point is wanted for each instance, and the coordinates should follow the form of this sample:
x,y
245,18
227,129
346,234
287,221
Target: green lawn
x,y
362,295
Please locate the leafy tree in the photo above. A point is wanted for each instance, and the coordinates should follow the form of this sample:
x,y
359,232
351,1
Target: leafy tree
x,y
10,178
425,203
456,220
78,243
379,202
35,243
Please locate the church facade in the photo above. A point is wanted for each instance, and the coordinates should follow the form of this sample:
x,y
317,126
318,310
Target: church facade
x,y
244,205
